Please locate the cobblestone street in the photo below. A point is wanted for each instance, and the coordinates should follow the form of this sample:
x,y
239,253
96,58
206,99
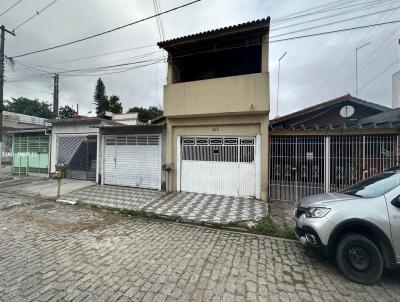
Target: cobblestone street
x,y
56,252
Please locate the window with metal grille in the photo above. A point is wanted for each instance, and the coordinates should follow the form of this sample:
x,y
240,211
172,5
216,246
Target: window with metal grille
x,y
218,149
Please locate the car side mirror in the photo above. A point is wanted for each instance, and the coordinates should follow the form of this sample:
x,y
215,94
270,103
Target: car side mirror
x,y
396,202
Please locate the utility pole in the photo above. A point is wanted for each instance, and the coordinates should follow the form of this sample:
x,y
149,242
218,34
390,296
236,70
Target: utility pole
x,y
2,57
55,96
359,47
277,93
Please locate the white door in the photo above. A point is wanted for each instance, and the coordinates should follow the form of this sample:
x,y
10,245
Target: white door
x,y
218,165
133,160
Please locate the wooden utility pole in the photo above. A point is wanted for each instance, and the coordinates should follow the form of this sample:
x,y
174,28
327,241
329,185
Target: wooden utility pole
x,y
55,96
2,57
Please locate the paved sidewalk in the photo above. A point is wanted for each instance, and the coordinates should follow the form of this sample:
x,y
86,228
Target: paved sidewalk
x,y
56,252
189,206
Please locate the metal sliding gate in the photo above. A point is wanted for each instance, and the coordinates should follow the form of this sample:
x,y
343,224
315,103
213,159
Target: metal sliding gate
x,y
305,165
79,154
218,165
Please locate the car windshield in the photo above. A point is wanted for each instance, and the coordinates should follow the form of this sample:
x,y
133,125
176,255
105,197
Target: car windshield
x,y
374,186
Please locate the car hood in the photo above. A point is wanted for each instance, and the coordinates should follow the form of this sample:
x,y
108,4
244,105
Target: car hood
x,y
326,199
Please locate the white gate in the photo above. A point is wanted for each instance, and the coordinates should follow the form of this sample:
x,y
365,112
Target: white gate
x,y
133,160
218,165
306,165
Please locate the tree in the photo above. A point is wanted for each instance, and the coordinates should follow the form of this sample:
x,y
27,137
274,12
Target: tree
x,y
100,98
115,104
66,112
29,107
145,114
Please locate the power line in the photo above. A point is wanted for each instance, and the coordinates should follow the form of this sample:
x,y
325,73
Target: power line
x,y
274,41
10,8
335,31
105,32
336,22
116,71
328,80
325,17
299,13
374,55
391,65
35,15
97,56
332,7
112,67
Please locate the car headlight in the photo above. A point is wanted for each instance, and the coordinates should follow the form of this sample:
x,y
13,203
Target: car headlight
x,y
316,212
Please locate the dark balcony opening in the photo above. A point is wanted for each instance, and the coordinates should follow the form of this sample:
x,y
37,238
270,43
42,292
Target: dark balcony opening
x,y
215,61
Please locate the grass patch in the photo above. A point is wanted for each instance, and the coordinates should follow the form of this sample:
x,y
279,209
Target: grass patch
x,y
289,232
266,226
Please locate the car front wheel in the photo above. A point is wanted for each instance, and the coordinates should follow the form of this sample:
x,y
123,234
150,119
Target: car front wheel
x,y
359,259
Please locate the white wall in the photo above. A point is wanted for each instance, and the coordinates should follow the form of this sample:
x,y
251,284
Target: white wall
x,y
77,129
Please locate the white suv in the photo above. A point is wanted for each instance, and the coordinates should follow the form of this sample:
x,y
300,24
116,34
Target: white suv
x,y
359,227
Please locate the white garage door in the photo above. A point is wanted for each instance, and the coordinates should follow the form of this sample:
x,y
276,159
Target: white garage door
x,y
133,160
218,165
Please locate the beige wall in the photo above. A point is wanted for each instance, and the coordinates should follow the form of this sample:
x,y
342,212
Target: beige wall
x,y
241,125
236,94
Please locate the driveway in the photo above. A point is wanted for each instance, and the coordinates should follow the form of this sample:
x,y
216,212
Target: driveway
x,y
57,252
35,186
192,207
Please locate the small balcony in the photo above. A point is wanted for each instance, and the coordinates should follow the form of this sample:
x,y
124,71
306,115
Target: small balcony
x,y
241,94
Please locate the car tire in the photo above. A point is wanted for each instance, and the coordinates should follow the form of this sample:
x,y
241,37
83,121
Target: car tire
x,y
359,259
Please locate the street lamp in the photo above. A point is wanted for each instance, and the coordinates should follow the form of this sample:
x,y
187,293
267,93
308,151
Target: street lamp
x,y
359,47
277,93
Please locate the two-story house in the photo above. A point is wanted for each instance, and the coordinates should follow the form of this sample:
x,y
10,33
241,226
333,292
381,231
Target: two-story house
x,y
216,103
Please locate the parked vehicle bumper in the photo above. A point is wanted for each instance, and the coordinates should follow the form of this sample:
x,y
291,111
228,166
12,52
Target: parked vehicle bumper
x,y
313,232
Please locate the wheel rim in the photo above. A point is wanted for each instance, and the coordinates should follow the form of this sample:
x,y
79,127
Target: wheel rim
x,y
358,258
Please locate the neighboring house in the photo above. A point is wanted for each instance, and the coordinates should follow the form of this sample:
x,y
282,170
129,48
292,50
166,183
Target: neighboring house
x,y
132,155
30,149
14,121
330,146
75,144
216,104
129,118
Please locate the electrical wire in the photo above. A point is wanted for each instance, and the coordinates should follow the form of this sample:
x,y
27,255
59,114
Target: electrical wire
x,y
336,22
34,15
334,31
274,41
321,18
105,32
389,67
330,78
11,7
333,7
96,56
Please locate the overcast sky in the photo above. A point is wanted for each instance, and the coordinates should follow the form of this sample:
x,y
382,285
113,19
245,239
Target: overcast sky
x,y
314,69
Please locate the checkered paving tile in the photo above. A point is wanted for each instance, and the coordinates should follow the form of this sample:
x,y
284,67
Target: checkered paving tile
x,y
189,206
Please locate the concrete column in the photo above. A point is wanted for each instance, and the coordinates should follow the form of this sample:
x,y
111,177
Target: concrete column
x,y
264,159
169,155
264,52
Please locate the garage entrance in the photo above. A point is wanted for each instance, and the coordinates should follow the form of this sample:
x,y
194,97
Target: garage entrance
x,y
133,160
31,154
79,154
218,165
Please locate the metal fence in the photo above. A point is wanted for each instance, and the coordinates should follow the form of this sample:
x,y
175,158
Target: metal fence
x,y
305,165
